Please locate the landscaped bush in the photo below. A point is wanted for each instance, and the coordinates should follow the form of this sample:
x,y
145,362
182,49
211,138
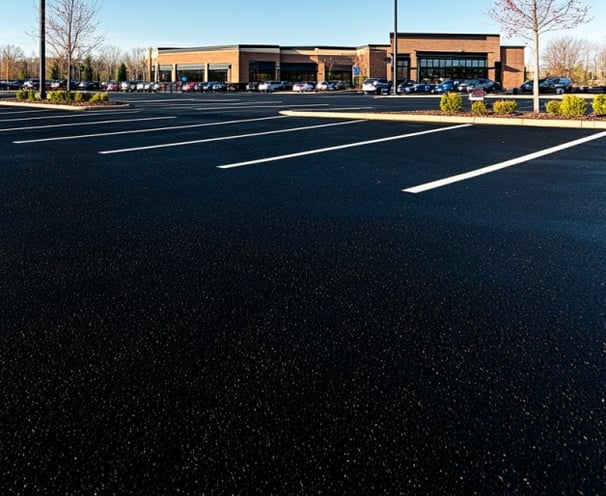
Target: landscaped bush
x,y
505,106
599,105
81,97
478,108
26,95
59,96
99,98
553,107
451,102
573,106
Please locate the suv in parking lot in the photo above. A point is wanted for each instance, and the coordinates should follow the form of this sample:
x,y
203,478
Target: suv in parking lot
x,y
376,86
488,85
553,84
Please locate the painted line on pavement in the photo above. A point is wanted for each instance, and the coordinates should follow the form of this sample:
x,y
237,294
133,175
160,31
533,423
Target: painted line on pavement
x,y
501,165
339,147
63,116
241,106
223,138
92,123
148,130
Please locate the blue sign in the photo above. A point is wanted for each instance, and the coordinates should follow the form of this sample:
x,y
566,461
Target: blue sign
x,y
356,70
184,79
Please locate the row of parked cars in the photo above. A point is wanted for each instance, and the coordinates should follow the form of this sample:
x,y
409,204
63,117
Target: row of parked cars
x,y
552,84
379,86
299,87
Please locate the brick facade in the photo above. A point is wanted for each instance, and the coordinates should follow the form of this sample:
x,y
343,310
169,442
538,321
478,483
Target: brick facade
x,y
501,63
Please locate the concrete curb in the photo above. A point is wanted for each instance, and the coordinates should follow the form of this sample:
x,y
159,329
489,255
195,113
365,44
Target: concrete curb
x,y
57,106
452,119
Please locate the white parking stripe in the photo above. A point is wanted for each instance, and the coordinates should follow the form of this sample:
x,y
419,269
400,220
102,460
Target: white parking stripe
x,y
339,147
148,130
63,116
501,165
223,138
92,123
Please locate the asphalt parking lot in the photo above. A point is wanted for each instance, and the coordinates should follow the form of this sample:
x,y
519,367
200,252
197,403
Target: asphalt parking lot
x,y
204,296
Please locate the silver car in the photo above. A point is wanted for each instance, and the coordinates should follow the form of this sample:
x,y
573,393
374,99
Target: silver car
x,y
375,86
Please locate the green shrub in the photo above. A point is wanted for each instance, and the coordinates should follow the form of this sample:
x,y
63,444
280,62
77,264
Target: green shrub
x,y
99,98
81,97
26,95
573,106
553,107
505,106
59,96
451,102
599,104
478,108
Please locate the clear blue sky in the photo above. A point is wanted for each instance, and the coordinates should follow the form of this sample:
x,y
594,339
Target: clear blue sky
x,y
185,23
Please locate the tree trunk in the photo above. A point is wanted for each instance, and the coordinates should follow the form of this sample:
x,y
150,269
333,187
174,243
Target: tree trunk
x,y
536,104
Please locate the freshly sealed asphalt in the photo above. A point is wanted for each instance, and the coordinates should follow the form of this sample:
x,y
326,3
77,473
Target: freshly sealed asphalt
x,y
297,322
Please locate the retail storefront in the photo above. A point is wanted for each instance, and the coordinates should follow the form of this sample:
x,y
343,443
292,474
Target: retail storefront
x,y
435,57
420,57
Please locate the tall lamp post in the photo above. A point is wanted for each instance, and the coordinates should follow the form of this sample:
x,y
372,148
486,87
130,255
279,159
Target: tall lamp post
x,y
42,77
394,59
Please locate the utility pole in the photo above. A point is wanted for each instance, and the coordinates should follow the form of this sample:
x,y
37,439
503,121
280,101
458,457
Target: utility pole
x,y
42,76
394,59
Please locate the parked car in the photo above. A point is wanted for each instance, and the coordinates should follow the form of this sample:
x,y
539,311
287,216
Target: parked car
x,y
447,85
112,86
216,86
322,86
303,87
402,84
31,84
487,85
419,88
553,84
270,86
252,86
88,85
11,84
376,86
335,85
190,86
128,86
147,86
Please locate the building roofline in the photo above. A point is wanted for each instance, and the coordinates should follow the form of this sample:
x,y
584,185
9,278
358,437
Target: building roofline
x,y
444,35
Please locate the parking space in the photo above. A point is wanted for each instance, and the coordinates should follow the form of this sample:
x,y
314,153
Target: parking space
x,y
243,299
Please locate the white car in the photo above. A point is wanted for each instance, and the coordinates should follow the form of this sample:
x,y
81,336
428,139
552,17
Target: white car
x,y
375,86
270,86
146,86
303,86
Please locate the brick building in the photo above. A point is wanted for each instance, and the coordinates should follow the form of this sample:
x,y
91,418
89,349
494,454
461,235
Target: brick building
x,y
421,57
432,57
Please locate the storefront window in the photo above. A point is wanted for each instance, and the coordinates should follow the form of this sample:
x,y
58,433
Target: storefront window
x,y
261,71
193,72
437,68
165,73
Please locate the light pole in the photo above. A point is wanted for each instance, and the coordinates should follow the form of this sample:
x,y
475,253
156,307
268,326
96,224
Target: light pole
x,y
42,77
394,59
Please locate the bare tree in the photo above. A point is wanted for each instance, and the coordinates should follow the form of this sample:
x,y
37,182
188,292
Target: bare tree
x,y
600,65
565,57
531,18
108,58
10,57
73,29
136,61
